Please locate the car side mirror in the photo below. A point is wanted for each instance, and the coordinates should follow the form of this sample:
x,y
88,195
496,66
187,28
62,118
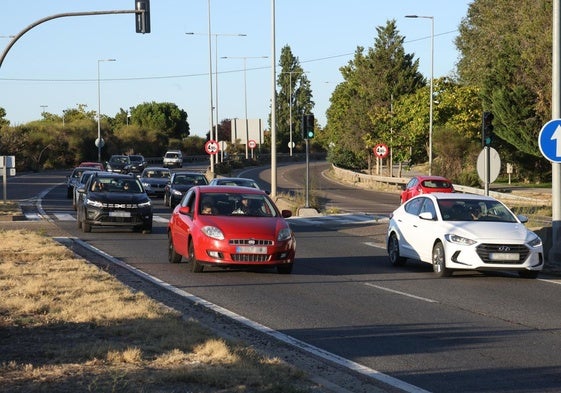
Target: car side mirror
x,y
426,216
185,210
523,219
286,213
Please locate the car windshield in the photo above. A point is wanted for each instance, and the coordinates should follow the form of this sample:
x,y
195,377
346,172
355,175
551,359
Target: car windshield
x,y
188,179
157,174
131,186
136,158
120,160
235,204
474,210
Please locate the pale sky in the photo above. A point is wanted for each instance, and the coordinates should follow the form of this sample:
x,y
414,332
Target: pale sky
x,y
54,66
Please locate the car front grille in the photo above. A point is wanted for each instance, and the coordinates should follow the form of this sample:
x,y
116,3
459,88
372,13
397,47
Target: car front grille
x,y
250,257
120,205
251,242
483,250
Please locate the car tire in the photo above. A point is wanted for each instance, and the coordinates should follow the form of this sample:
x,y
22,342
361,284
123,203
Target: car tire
x,y
69,193
528,273
166,201
439,261
196,267
173,256
393,251
78,222
285,269
147,228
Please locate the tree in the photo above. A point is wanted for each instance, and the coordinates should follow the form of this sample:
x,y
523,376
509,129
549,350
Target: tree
x,y
505,51
3,120
293,99
372,80
165,117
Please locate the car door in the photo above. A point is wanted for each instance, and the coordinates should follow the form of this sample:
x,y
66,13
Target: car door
x,y
182,224
426,230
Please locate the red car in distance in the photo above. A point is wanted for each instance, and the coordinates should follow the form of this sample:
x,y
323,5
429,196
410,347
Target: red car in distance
x,y
230,226
425,185
90,164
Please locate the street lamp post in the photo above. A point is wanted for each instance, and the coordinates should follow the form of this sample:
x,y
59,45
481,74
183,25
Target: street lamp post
x,y
43,109
98,140
216,35
290,143
431,98
245,94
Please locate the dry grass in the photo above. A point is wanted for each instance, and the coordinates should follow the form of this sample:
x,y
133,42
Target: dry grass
x,y
67,326
9,208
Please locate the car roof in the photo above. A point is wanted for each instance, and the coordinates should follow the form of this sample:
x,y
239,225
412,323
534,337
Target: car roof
x,y
432,177
187,173
156,168
113,175
229,190
457,196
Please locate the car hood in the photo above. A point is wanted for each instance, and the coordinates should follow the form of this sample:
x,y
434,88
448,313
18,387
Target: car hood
x,y
151,180
181,187
487,231
118,197
246,227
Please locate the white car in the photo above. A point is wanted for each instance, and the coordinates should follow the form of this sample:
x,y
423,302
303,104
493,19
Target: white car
x,y
454,231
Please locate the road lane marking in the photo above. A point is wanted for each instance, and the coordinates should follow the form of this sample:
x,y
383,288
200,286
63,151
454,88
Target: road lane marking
x,y
402,293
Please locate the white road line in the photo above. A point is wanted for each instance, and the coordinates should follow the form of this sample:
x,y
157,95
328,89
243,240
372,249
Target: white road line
x,y
160,219
377,245
402,293
64,217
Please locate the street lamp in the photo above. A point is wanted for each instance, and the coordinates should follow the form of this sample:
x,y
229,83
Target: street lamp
x,y
431,83
43,109
290,143
216,35
245,93
98,141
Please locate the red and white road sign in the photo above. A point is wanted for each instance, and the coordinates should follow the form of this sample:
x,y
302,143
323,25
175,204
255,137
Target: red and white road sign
x,y
381,150
252,144
211,147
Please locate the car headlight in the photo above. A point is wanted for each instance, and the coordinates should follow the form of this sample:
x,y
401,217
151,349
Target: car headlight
x,y
176,192
463,241
213,232
93,203
284,234
145,204
535,242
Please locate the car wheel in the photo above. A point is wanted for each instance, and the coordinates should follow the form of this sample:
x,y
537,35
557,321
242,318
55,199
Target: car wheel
x,y
166,201
78,222
393,251
439,261
147,227
196,267
173,257
69,193
528,273
285,269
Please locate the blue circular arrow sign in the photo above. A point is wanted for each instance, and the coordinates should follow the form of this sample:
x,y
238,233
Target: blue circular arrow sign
x,y
550,140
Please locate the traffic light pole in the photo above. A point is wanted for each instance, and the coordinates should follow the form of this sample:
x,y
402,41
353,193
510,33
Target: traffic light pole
x,y
63,15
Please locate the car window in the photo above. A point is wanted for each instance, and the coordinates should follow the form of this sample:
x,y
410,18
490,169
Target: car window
x,y
436,184
235,204
428,206
414,206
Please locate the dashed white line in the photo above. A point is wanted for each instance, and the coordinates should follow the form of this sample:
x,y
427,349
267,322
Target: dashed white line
x,y
402,293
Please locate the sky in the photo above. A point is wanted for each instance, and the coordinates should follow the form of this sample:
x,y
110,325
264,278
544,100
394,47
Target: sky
x,y
57,64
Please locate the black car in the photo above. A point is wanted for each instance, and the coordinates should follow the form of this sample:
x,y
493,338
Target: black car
x,y
73,179
118,163
154,180
138,163
110,199
179,183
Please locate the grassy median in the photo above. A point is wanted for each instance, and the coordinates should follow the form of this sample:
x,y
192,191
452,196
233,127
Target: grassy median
x,y
67,326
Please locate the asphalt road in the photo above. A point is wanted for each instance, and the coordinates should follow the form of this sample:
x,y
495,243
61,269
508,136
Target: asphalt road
x,y
471,332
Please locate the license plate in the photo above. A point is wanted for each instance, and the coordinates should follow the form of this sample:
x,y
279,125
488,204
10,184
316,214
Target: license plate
x,y
119,214
504,256
251,250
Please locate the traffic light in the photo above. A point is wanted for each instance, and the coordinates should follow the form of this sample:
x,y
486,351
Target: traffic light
x,y
307,126
142,18
487,128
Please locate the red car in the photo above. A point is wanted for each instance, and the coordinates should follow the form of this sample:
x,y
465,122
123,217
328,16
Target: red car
x,y
425,185
229,226
90,164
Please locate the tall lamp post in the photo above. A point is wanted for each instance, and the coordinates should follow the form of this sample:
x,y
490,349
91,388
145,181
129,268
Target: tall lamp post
x,y
245,94
43,109
431,98
216,35
98,141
